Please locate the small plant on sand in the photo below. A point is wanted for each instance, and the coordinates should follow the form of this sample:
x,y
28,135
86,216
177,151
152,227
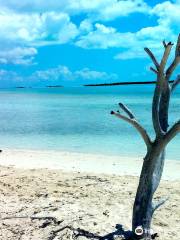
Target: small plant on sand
x,y
144,205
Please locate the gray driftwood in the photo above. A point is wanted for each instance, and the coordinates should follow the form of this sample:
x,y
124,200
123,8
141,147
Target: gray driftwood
x,y
144,205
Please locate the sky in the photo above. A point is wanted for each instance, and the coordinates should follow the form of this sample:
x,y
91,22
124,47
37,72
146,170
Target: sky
x,y
76,42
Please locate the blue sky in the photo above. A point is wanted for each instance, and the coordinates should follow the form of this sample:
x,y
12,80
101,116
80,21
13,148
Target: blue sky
x,y
74,42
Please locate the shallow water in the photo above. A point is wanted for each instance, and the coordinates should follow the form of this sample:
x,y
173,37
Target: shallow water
x,y
78,119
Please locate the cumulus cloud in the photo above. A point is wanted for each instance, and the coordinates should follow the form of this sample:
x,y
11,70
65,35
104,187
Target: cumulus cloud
x,y
26,25
98,9
35,28
105,37
167,11
27,6
36,20
147,37
39,22
9,78
86,26
122,8
129,54
27,31
18,55
132,43
88,74
60,75
63,73
167,28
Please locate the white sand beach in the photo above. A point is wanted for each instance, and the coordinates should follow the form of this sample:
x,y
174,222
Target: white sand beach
x,y
92,192
82,162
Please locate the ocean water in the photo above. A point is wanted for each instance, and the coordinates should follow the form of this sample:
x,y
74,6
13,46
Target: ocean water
x,y
79,120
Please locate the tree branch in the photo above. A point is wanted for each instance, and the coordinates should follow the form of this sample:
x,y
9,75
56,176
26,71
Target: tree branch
x,y
165,56
175,83
138,127
172,67
126,110
159,203
176,60
177,51
161,80
173,131
151,55
155,109
164,44
154,70
164,106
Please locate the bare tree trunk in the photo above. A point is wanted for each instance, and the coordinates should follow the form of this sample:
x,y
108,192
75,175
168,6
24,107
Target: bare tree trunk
x,y
153,164
151,172
149,180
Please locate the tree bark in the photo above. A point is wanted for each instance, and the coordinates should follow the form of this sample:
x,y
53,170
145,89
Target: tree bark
x,y
153,164
154,161
149,181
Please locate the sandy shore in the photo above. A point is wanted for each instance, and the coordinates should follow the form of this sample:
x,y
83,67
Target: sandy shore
x,y
82,162
77,195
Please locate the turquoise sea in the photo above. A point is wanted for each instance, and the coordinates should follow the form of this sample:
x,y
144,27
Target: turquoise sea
x,y
79,120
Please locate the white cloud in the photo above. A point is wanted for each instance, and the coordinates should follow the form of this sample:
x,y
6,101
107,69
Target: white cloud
x,y
27,6
98,9
57,27
106,10
21,33
36,28
18,55
129,54
60,75
63,73
167,28
9,78
88,74
39,22
132,44
167,11
122,8
85,26
105,37
28,24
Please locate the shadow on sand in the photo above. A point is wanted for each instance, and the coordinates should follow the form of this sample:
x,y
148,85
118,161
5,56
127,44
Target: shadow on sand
x,y
118,234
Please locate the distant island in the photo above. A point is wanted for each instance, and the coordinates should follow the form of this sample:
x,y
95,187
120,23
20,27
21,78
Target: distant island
x,y
120,83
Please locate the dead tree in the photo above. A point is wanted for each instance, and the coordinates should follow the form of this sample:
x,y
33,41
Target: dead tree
x,y
144,205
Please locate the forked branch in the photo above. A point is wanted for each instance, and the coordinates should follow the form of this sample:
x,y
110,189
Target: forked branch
x,y
157,92
137,125
175,83
162,81
172,67
173,131
155,110
164,43
151,55
177,51
158,204
153,70
176,60
165,56
126,110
